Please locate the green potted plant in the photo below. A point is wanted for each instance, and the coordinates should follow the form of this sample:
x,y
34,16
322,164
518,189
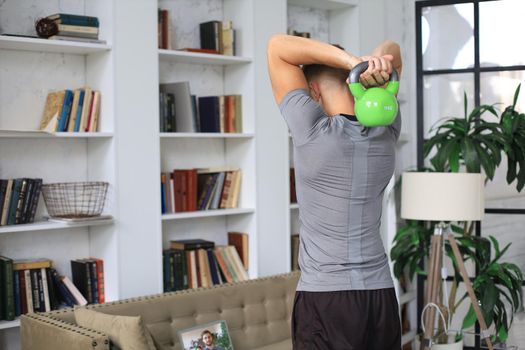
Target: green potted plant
x,y
472,144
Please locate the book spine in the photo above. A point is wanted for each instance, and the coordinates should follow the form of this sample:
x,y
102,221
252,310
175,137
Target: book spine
x,y
29,291
3,190
89,296
18,305
45,288
8,299
35,291
66,110
188,269
166,270
172,272
77,29
84,22
94,281
192,189
23,297
17,186
7,202
21,203
78,117
213,267
34,200
101,282
53,300
26,210
67,297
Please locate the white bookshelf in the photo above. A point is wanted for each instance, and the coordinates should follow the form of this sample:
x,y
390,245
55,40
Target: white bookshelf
x,y
207,213
206,135
201,58
46,135
294,206
45,45
208,75
52,225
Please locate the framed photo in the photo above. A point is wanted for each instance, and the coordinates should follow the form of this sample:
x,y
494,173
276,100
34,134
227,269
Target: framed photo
x,y
209,336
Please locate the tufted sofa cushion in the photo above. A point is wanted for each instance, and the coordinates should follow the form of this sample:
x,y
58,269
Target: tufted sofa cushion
x,y
258,312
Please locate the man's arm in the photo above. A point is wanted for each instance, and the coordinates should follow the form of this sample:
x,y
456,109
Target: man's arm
x,y
388,49
286,53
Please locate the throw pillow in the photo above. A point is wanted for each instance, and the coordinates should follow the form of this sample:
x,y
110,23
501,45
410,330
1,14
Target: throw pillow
x,y
126,332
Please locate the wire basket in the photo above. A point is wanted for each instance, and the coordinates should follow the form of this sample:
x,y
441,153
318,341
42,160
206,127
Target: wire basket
x,y
75,199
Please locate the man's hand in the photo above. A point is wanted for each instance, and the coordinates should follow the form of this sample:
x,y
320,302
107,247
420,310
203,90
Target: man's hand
x,y
378,72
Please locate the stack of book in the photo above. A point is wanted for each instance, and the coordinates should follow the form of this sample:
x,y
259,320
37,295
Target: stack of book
x,y
186,190
164,29
33,285
72,111
199,263
19,200
76,28
218,37
180,111
293,195
88,276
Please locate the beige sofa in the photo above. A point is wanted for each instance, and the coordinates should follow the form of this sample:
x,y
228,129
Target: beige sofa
x,y
258,314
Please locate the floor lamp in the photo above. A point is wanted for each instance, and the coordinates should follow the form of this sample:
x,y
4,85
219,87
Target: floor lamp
x,y
443,197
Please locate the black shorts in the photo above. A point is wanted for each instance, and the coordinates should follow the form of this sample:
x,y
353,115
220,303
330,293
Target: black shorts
x,y
346,320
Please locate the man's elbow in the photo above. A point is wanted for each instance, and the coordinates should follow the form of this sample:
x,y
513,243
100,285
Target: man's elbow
x,y
274,43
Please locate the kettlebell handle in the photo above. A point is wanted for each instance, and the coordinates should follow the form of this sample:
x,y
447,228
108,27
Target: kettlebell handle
x,y
361,67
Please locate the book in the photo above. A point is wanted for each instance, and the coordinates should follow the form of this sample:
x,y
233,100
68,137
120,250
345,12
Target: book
x,y
192,273
209,114
226,264
211,35
212,263
95,113
16,283
29,291
86,108
206,184
77,29
71,19
293,196
74,110
7,288
164,28
21,202
23,298
81,275
26,207
226,190
35,197
53,296
237,114
52,110
35,294
15,196
64,292
79,298
65,111
240,241
235,186
191,49
191,186
76,38
191,244
29,264
101,281
236,263
74,125
45,289
184,113
228,38
204,269
5,196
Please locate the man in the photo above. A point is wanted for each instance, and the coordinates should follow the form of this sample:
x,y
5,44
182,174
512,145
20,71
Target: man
x,y
345,297
209,342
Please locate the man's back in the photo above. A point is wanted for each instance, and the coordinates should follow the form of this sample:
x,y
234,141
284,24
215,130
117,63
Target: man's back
x,y
341,169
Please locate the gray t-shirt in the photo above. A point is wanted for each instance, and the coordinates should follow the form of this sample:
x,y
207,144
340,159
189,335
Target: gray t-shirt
x,y
341,171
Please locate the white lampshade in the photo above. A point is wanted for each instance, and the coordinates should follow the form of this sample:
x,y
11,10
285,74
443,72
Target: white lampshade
x,y
442,196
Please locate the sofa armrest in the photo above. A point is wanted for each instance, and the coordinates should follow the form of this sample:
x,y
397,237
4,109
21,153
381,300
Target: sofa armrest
x,y
40,332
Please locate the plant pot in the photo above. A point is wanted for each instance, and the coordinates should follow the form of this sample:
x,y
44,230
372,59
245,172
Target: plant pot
x,y
450,346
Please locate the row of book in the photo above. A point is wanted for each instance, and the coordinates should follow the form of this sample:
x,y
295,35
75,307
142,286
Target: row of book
x,y
19,200
33,285
88,277
199,263
184,190
72,111
180,111
218,36
73,27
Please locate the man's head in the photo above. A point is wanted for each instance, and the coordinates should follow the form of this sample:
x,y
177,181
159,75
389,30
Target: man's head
x,y
207,338
324,79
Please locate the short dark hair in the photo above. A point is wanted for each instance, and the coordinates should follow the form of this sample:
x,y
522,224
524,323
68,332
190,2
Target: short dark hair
x,y
206,332
312,71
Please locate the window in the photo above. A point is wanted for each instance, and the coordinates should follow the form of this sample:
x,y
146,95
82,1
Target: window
x,y
472,47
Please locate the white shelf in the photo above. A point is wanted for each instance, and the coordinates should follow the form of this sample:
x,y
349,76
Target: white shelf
x,y
294,206
52,225
201,58
45,45
42,134
207,213
10,324
206,135
325,4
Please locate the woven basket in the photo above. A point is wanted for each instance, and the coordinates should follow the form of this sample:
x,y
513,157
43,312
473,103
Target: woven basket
x,y
75,199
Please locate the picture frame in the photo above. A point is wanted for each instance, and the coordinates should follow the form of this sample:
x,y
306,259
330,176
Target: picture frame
x,y
194,339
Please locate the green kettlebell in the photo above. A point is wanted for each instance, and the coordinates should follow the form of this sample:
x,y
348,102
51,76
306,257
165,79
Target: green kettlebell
x,y
374,106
